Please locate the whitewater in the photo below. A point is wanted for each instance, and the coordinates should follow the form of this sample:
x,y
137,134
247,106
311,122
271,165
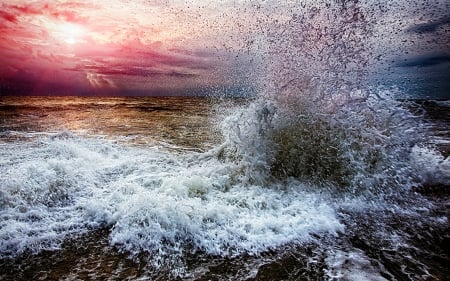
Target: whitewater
x,y
237,198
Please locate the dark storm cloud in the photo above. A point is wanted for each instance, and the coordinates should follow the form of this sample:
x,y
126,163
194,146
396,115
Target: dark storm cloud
x,y
429,27
425,61
127,70
23,82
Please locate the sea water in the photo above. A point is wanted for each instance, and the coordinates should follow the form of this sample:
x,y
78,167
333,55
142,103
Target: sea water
x,y
163,197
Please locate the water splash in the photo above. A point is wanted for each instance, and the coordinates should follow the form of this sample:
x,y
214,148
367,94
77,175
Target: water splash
x,y
365,146
318,57
317,118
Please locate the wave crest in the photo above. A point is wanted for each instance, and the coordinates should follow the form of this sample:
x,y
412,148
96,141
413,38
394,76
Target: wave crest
x,y
364,145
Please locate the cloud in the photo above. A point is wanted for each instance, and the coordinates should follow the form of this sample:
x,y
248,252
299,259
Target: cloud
x,y
425,61
131,70
429,27
8,16
43,81
65,11
121,45
99,81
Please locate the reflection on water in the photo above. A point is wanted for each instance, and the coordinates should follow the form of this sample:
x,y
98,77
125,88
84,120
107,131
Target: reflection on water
x,y
181,121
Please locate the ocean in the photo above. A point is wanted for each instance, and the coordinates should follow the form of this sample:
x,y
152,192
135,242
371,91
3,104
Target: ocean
x,y
185,188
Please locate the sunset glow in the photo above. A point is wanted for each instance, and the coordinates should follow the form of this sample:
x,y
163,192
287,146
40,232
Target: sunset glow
x,y
106,47
118,47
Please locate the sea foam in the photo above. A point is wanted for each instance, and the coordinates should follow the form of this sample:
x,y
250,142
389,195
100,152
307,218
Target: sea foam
x,y
155,201
228,201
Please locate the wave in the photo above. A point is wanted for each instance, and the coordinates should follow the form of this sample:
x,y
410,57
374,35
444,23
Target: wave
x,y
154,201
278,178
364,146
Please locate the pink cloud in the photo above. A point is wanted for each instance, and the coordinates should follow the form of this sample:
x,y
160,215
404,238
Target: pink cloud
x,y
106,48
8,16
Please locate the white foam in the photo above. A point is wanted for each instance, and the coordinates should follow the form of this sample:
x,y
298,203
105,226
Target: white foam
x,y
444,103
41,184
432,167
351,265
155,201
199,206
165,201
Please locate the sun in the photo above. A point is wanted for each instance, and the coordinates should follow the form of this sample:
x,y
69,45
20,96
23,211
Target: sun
x,y
69,33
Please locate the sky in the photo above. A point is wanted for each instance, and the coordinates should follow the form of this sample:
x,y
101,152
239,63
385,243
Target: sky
x,y
109,47
166,47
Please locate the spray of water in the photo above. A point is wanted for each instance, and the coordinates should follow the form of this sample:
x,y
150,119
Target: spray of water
x,y
316,118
